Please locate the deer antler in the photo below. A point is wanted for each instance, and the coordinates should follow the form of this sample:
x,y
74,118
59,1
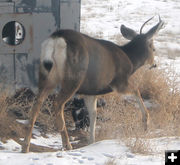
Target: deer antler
x,y
145,24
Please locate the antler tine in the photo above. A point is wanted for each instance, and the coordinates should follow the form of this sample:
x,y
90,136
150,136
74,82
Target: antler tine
x,y
160,24
159,18
155,28
145,24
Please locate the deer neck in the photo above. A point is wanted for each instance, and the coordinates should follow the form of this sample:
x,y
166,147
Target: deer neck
x,y
136,55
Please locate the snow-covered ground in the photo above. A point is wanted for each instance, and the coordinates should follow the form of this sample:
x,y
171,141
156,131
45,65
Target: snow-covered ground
x,y
102,18
94,154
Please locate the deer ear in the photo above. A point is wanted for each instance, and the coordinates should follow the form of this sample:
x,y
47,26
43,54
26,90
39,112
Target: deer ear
x,y
154,30
127,32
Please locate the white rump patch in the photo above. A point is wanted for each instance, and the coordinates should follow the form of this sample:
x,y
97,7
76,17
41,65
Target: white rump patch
x,y
47,50
54,49
60,55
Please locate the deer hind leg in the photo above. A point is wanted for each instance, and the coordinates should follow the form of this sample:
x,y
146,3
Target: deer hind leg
x,y
91,104
34,113
61,126
69,88
144,111
60,121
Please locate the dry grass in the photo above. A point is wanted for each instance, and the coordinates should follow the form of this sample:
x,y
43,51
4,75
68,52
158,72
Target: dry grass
x,y
3,105
138,145
110,162
162,88
13,107
8,125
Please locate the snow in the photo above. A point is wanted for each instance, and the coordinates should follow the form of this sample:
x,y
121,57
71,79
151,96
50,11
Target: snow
x,y
22,121
102,18
52,141
94,154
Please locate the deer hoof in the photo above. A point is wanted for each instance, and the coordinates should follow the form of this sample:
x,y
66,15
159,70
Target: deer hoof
x,y
68,146
145,127
145,121
25,149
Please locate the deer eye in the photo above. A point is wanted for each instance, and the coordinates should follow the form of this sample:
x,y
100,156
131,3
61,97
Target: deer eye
x,y
152,47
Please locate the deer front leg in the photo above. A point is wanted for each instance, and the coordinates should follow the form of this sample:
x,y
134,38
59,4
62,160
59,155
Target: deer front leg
x,y
144,111
91,104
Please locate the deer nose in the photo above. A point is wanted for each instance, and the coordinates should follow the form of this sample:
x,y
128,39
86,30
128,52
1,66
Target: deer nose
x,y
153,66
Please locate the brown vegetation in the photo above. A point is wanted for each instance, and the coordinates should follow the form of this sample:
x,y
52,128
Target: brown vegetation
x,y
110,162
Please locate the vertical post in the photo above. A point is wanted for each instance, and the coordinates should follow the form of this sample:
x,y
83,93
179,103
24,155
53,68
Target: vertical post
x,y
14,67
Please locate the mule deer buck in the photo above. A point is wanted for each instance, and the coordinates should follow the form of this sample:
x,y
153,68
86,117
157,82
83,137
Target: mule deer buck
x,y
83,65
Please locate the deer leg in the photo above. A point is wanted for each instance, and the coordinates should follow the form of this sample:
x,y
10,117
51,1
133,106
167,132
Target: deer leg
x,y
69,88
61,126
91,104
34,113
144,111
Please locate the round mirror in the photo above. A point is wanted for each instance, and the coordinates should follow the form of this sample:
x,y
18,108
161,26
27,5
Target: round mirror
x,y
13,33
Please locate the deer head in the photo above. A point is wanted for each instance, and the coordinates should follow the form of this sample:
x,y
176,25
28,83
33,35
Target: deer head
x,y
141,45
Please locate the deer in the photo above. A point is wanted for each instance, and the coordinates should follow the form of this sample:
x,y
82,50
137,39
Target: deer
x,y
80,64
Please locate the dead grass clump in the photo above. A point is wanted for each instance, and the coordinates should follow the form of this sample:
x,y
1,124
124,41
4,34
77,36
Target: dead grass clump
x,y
162,89
154,84
138,145
11,129
120,118
3,105
18,106
110,162
8,125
